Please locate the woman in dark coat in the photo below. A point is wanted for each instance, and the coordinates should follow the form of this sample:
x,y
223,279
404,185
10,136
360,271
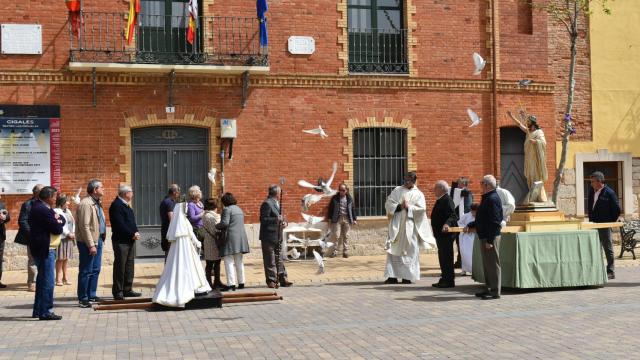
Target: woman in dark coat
x,y
237,243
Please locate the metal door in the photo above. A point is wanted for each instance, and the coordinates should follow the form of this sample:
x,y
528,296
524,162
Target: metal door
x,y
512,163
164,156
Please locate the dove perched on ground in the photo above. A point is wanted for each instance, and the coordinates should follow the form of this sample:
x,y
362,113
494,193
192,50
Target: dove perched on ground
x,y
322,186
475,119
212,175
320,262
318,131
479,63
76,198
312,220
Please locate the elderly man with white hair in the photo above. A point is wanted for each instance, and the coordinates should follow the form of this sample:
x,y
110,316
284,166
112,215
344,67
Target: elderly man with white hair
x,y
443,216
488,226
124,235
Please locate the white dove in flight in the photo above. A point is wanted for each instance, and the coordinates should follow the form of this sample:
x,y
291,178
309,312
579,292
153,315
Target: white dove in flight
x,y
212,175
320,262
475,119
310,199
322,186
318,131
312,220
76,198
479,63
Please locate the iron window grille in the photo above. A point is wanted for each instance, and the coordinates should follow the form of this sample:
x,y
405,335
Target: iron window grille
x,y
379,165
377,37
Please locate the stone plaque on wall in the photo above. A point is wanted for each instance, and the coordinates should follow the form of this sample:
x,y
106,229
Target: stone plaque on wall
x,y
21,39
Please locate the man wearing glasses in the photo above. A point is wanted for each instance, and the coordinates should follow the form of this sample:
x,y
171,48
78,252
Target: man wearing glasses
x,y
409,229
342,216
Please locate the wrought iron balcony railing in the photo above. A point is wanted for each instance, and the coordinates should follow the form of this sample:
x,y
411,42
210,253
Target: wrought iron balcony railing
x,y
162,39
378,51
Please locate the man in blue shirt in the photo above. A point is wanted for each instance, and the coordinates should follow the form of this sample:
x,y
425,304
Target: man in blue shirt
x,y
488,227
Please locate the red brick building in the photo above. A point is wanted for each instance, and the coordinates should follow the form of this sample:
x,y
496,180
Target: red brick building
x,y
389,81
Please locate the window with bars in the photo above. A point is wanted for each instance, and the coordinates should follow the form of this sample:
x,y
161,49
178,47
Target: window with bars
x,y
379,164
377,36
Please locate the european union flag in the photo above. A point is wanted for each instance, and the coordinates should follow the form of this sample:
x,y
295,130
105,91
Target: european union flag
x,y
261,6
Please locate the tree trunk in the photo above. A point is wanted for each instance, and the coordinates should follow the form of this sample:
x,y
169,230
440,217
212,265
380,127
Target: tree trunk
x,y
565,136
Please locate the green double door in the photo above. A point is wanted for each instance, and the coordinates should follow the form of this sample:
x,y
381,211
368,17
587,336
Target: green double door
x,y
162,36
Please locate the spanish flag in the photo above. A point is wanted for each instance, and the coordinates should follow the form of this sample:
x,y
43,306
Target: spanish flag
x,y
193,19
134,10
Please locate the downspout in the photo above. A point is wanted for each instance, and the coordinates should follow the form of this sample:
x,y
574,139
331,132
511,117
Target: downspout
x,y
494,86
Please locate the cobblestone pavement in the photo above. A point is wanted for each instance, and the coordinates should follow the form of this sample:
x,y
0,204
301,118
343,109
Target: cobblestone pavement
x,y
346,319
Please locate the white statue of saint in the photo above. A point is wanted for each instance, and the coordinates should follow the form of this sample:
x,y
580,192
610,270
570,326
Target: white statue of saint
x,y
535,155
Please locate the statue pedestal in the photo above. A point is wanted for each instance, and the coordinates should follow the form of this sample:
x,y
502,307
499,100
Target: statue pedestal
x,y
540,217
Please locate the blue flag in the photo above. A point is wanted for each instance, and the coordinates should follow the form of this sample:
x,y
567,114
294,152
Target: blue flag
x,y
261,7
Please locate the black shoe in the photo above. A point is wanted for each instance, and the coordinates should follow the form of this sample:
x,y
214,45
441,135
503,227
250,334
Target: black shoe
x,y
232,288
405,281
85,304
96,299
345,255
51,316
118,297
286,283
481,293
457,265
2,286
240,286
221,287
391,280
441,285
611,276
132,294
488,296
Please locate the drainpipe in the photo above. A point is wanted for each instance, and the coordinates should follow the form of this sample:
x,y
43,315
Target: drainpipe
x,y
494,86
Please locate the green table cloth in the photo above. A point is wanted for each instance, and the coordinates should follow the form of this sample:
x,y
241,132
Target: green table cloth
x,y
547,259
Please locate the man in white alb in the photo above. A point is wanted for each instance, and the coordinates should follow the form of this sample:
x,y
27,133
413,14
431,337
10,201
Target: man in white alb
x,y
409,229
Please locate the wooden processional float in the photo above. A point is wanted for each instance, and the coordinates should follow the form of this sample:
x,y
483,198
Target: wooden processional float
x,y
213,299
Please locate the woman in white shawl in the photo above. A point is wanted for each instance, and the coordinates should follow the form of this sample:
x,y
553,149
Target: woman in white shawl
x,y
409,230
466,241
183,276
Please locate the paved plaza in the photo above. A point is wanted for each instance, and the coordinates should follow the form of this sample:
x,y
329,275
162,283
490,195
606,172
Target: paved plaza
x,y
346,313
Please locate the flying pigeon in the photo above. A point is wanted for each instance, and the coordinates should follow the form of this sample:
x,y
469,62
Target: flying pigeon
x,y
76,198
475,119
322,186
212,175
525,82
479,63
309,200
320,262
325,244
312,220
318,131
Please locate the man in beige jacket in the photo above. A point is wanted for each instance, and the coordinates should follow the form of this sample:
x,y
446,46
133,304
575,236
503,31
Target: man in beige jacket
x,y
91,229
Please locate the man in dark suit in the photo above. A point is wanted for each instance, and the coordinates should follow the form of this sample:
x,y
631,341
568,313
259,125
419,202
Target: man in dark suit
x,y
443,216
23,236
44,238
603,206
270,227
4,218
124,234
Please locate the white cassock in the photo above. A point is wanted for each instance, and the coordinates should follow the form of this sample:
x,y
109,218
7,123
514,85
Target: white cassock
x,y
466,243
508,204
183,275
409,230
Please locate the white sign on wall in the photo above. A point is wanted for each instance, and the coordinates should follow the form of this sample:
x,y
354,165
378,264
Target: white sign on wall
x,y
302,45
21,39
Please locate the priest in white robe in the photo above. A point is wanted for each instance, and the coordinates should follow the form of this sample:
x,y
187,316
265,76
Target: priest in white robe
x,y
183,276
409,230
